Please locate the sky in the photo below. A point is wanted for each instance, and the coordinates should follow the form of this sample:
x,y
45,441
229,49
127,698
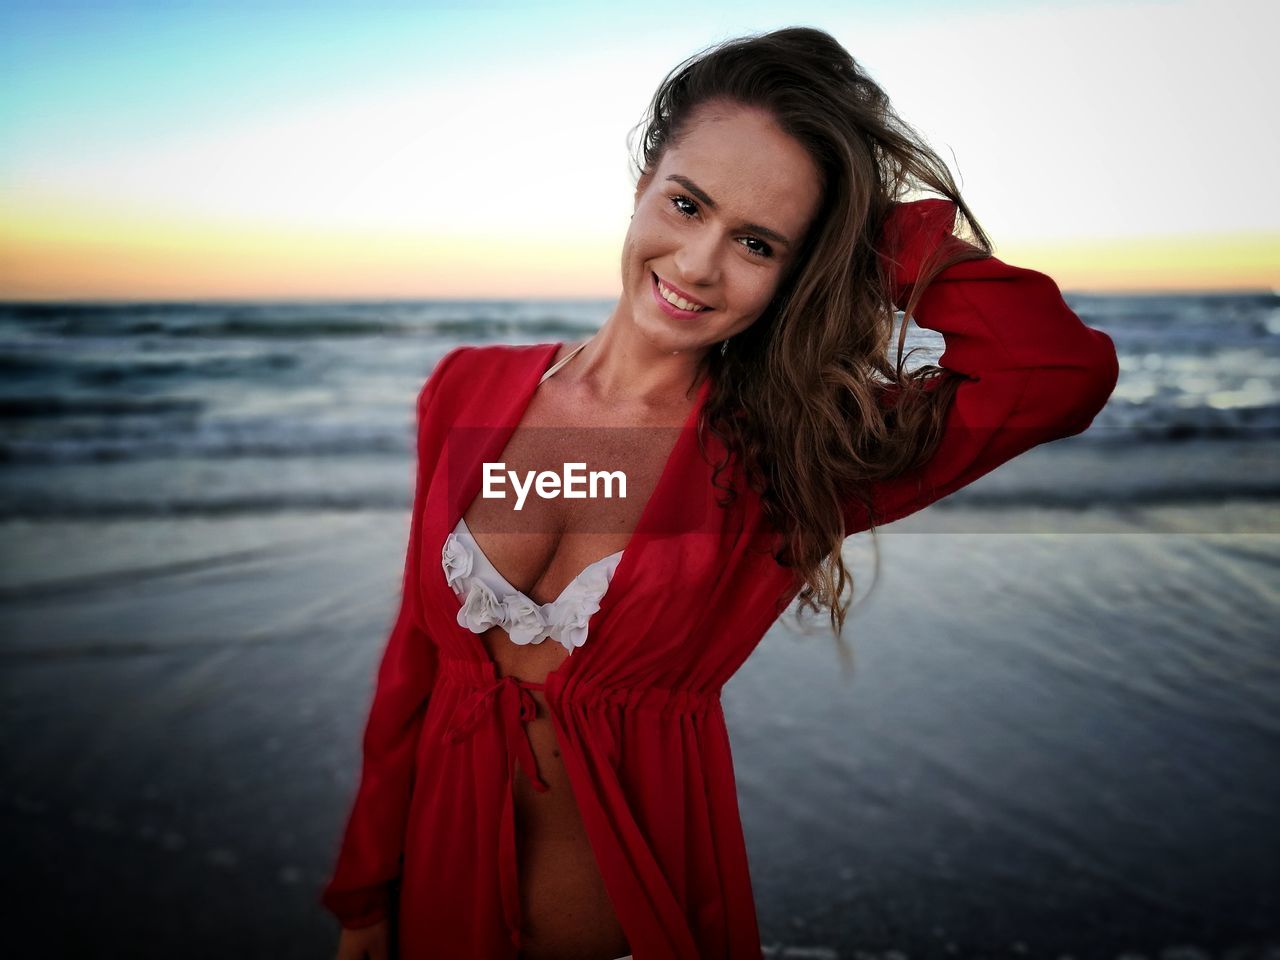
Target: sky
x,y
277,150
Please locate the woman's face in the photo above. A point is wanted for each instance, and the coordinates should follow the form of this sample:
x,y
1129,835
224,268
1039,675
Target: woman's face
x,y
720,221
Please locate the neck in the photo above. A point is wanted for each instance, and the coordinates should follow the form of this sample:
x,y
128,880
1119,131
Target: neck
x,y
622,367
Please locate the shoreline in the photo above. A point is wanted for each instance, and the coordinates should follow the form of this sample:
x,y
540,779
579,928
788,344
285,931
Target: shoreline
x,y
1048,740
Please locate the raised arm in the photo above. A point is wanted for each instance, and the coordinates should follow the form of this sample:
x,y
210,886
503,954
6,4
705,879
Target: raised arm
x,y
1035,372
358,893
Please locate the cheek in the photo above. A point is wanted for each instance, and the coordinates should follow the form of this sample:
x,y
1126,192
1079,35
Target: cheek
x,y
637,251
645,241
755,289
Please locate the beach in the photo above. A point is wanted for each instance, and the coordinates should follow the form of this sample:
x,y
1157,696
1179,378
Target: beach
x,y
1059,733
1058,739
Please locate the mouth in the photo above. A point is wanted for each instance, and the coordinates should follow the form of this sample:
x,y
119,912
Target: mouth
x,y
661,292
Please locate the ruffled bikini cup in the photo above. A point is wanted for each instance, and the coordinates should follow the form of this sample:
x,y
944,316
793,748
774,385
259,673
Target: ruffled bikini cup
x,y
489,600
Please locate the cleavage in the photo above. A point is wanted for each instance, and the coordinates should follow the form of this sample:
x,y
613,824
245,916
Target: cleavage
x,y
510,587
542,548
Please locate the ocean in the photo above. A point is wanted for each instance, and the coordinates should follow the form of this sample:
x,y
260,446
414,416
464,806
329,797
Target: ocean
x,y
254,407
1060,738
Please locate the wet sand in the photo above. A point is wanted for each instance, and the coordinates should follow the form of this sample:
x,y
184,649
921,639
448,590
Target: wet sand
x,y
1059,738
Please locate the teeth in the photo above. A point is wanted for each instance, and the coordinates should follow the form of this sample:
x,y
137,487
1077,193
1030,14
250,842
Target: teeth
x,y
677,301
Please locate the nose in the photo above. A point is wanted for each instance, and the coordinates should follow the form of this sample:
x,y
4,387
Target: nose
x,y
698,261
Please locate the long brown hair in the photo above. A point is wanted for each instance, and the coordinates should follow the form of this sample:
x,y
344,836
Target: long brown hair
x,y
797,395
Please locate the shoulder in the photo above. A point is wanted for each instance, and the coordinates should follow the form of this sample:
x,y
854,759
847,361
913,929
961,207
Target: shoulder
x,y
477,367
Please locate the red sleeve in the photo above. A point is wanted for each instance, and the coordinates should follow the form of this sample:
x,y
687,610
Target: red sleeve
x,y
1034,371
358,893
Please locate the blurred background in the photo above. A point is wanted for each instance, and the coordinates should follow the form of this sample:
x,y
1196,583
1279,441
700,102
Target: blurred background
x,y
236,237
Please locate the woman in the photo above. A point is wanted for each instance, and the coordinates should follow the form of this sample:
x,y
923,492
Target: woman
x,y
764,261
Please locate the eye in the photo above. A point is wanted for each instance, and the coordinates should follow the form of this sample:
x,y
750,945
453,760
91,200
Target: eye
x,y
677,200
764,251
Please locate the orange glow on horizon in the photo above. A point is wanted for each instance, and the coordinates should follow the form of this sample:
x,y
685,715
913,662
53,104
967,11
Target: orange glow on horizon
x,y
75,255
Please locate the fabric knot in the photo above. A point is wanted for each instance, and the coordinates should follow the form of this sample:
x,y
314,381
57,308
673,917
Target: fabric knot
x,y
524,620
481,609
516,707
456,560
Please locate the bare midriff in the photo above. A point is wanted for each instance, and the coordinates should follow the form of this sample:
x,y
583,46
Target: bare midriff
x,y
566,911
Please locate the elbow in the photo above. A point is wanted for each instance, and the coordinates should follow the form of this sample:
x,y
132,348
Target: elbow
x,y
1062,399
1104,367
1093,381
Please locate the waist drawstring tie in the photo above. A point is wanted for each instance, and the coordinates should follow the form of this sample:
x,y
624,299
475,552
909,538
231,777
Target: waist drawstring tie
x,y
516,706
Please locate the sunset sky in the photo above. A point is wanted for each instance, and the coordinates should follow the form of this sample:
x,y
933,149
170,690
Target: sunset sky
x,y
233,150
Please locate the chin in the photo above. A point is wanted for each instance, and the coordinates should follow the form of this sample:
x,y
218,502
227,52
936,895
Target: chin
x,y
660,338
661,332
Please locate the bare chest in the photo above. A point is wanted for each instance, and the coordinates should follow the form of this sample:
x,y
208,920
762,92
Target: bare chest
x,y
568,490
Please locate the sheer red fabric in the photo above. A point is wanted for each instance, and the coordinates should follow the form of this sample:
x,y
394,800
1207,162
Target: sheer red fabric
x,y
636,711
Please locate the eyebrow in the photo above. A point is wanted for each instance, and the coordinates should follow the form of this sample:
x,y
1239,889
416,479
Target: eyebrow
x,y
701,194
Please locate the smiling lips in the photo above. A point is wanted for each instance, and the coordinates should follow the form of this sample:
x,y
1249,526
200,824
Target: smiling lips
x,y
675,300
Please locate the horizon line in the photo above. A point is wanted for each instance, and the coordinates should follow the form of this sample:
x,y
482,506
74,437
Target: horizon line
x,y
543,298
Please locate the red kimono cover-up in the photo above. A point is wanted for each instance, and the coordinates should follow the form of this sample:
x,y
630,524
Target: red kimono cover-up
x,y
636,711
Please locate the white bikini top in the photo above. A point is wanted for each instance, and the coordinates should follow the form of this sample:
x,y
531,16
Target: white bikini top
x,y
489,599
